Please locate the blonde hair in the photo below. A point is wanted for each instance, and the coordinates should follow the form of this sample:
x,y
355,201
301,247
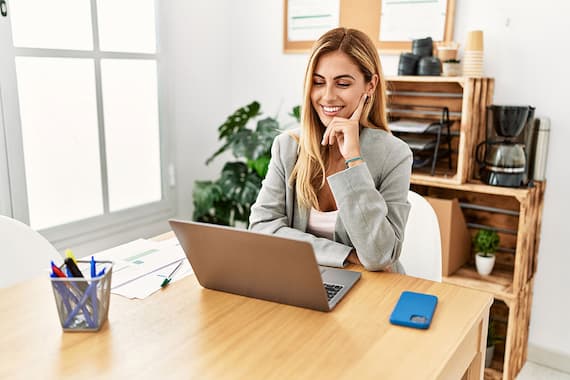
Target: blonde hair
x,y
308,175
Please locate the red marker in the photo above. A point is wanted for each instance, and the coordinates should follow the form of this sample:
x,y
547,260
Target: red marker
x,y
57,271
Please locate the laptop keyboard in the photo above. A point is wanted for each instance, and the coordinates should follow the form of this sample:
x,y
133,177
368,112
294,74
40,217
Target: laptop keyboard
x,y
332,290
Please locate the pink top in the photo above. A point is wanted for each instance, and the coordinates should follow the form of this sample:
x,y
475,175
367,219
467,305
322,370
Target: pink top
x,y
322,223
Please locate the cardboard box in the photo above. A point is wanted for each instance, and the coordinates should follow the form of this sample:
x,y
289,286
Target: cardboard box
x,y
455,237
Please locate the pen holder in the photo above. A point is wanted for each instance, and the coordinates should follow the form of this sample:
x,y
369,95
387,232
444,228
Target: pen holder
x,y
83,302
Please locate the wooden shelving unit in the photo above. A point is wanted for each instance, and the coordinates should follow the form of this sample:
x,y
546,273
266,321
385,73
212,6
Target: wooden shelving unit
x,y
515,213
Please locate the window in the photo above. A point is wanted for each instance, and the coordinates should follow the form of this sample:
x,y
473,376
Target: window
x,y
91,152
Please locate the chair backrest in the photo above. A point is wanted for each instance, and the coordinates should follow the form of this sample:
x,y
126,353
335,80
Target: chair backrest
x,y
421,249
25,253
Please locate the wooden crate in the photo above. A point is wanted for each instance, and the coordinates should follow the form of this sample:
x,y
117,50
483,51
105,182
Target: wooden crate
x,y
466,99
512,322
515,215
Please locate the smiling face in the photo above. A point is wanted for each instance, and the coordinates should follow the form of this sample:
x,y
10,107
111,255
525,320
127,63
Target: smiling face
x,y
338,85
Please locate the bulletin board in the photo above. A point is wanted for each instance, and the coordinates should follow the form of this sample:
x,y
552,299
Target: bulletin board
x,y
367,15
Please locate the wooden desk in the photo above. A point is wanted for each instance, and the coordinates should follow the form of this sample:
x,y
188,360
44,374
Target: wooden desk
x,y
186,331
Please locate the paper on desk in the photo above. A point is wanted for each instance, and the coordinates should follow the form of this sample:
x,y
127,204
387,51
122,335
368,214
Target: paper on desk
x,y
147,285
139,259
172,242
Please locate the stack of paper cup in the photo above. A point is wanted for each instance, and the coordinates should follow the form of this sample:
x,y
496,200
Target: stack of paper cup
x,y
473,54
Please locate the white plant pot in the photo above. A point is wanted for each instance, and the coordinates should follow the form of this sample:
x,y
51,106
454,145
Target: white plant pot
x,y
451,69
484,264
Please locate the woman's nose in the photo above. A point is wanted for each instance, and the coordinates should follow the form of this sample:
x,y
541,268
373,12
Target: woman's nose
x,y
329,93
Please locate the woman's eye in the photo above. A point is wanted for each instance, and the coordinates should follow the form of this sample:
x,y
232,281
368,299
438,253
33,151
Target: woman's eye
x,y
318,83
343,84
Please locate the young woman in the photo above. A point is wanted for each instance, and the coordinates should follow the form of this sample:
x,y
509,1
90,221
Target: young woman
x,y
340,182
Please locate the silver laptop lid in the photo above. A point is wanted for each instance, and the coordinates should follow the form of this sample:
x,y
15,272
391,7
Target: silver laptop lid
x,y
252,264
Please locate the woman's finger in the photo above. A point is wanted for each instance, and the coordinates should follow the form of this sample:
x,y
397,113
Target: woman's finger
x,y
358,111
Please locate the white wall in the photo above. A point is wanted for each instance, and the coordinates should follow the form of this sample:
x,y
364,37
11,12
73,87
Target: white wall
x,y
195,39
231,53
525,44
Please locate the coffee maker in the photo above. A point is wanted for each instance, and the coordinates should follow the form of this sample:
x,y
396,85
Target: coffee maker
x,y
505,159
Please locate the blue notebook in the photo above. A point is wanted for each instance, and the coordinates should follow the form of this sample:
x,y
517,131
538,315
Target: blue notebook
x,y
414,310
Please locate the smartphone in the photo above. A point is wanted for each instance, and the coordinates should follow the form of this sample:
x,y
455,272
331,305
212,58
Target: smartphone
x,y
414,310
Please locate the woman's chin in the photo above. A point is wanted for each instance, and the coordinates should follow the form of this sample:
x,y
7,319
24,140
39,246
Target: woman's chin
x,y
325,119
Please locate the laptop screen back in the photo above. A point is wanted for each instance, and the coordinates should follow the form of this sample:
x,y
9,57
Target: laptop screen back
x,y
252,264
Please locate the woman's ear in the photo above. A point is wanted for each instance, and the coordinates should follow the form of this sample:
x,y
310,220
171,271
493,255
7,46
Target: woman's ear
x,y
371,86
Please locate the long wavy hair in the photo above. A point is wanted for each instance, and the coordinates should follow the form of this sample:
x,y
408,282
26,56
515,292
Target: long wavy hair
x,y
308,175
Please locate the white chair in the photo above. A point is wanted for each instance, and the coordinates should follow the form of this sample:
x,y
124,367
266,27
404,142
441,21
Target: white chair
x,y
25,253
421,249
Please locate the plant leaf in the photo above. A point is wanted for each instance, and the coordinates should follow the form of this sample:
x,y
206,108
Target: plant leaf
x,y
238,119
260,165
244,144
233,124
240,184
296,113
267,129
205,194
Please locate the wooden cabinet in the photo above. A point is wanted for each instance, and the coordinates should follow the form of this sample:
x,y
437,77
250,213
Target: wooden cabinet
x,y
515,213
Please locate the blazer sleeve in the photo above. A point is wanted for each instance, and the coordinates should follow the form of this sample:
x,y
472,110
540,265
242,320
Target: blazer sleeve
x,y
272,212
375,214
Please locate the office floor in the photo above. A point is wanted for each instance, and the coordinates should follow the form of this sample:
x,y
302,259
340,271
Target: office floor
x,y
533,371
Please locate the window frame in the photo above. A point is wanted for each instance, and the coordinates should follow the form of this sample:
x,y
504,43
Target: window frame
x,y
13,192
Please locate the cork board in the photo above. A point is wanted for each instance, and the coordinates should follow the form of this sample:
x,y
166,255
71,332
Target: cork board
x,y
366,16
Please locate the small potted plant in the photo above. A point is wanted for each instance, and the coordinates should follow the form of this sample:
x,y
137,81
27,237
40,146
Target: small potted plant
x,y
451,68
485,243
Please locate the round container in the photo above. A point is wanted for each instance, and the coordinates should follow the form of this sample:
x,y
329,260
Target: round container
x,y
429,66
473,63
408,64
474,40
423,47
451,69
446,53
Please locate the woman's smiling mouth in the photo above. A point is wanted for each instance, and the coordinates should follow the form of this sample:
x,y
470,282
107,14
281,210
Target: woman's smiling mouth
x,y
331,110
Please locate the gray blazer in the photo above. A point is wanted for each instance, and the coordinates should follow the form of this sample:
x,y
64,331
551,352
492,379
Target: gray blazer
x,y
372,199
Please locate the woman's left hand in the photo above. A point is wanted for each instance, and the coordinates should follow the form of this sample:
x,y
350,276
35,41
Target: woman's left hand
x,y
345,132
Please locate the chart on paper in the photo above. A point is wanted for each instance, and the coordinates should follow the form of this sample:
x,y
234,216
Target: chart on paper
x,y
141,265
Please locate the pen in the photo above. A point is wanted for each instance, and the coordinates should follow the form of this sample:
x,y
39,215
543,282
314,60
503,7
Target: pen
x,y
56,271
73,269
169,278
93,270
70,263
69,253
101,273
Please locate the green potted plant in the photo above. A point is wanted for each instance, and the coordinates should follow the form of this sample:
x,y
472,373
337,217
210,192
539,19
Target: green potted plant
x,y
227,200
485,244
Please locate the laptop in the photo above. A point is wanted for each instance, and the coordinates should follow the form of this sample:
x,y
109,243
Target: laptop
x,y
261,266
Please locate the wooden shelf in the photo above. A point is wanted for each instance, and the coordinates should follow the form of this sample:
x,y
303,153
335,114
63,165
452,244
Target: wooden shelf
x,y
474,186
499,283
425,78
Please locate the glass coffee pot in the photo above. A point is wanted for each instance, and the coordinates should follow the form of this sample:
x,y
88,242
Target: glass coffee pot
x,y
503,162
